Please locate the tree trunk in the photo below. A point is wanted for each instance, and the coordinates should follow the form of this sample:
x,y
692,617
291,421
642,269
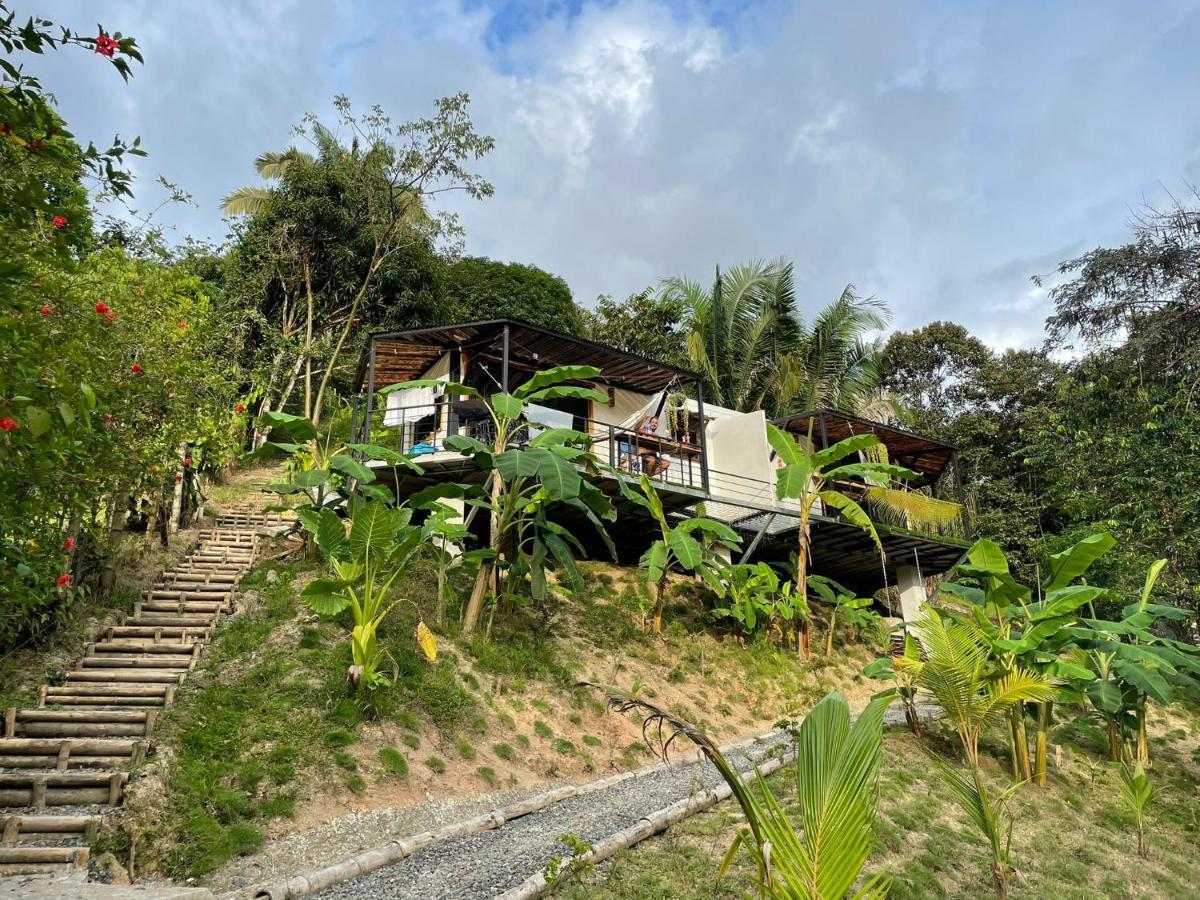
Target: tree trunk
x,y
1143,743
347,327
1114,740
660,603
308,336
1044,720
1021,762
802,577
829,635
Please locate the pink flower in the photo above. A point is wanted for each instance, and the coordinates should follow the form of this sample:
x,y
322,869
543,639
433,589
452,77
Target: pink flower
x,y
105,45
63,580
60,221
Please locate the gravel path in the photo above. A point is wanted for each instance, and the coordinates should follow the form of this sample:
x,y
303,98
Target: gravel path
x,y
488,863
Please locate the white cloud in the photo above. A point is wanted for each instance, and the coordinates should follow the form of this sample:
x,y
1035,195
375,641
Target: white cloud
x,y
937,156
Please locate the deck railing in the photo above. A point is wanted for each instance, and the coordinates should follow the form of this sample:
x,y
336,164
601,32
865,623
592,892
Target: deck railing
x,y
423,429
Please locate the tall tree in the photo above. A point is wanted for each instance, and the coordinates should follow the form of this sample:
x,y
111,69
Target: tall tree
x,y
322,236
755,350
643,324
479,288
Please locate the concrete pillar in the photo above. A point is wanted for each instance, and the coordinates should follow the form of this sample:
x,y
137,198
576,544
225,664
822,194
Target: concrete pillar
x,y
912,592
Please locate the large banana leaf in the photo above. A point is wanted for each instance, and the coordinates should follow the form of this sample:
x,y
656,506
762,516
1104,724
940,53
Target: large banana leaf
x,y
556,375
842,449
1068,565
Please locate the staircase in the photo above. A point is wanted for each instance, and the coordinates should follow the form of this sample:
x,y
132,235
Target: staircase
x,y
64,764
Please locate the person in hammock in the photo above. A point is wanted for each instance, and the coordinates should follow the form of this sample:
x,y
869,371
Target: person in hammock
x,y
653,462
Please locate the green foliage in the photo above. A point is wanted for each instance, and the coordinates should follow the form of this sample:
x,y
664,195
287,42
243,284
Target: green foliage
x,y
393,761
747,338
365,564
436,765
504,751
643,324
1137,792
575,868
478,288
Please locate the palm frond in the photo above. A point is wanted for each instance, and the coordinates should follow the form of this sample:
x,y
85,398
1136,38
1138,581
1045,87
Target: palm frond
x,y
246,201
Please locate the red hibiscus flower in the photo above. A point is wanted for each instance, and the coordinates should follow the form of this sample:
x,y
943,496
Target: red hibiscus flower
x,y
46,310
182,326
8,423
105,45
240,408
60,221
136,369
63,580
110,315
69,544
187,462
102,307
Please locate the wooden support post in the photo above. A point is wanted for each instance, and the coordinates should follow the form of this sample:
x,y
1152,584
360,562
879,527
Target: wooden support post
x,y
115,783
37,793
64,755
10,722
12,828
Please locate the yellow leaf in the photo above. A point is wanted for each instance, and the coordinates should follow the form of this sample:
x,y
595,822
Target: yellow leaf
x,y
427,641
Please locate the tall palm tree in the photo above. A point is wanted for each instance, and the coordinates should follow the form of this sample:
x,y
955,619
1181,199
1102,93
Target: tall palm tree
x,y
755,351
272,165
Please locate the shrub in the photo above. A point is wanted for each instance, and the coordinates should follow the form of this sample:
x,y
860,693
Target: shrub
x,y
393,761
562,745
487,774
411,741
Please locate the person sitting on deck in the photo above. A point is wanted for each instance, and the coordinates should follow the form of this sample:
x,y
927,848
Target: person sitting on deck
x,y
428,445
653,462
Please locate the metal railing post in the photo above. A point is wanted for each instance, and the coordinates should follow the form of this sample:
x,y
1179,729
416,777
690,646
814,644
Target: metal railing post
x,y
612,448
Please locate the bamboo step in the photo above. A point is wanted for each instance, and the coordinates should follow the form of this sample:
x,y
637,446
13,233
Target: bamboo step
x,y
182,607
122,694
16,861
79,723
137,663
68,753
131,676
159,633
16,829
166,620
37,790
226,579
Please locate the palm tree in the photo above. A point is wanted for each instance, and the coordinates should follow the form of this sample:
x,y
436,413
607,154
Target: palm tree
x,y
271,165
756,352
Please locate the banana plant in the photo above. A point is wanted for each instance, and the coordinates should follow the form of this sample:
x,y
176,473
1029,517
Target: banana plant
x,y
855,610
323,473
751,593
365,565
1129,663
808,476
526,481
690,545
444,537
1024,634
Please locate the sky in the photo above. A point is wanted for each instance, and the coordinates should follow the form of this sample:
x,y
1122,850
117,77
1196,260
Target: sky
x,y
937,155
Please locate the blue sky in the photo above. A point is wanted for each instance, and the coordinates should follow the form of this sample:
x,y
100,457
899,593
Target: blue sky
x,y
937,155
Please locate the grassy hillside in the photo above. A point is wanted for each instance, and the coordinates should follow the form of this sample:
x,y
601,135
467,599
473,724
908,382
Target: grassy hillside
x,y
266,737
1073,840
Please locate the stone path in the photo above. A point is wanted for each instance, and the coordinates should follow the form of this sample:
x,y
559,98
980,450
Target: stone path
x,y
488,863
64,763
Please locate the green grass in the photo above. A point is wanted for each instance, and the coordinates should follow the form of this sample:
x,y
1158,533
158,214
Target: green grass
x,y
465,749
504,751
541,729
1073,839
563,746
240,739
436,765
523,741
411,741
488,774
393,761
592,740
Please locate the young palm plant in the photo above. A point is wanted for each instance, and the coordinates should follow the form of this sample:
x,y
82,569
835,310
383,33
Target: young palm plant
x,y
1137,792
837,771
959,673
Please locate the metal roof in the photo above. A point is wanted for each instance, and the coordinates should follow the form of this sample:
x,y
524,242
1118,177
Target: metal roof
x,y
405,355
